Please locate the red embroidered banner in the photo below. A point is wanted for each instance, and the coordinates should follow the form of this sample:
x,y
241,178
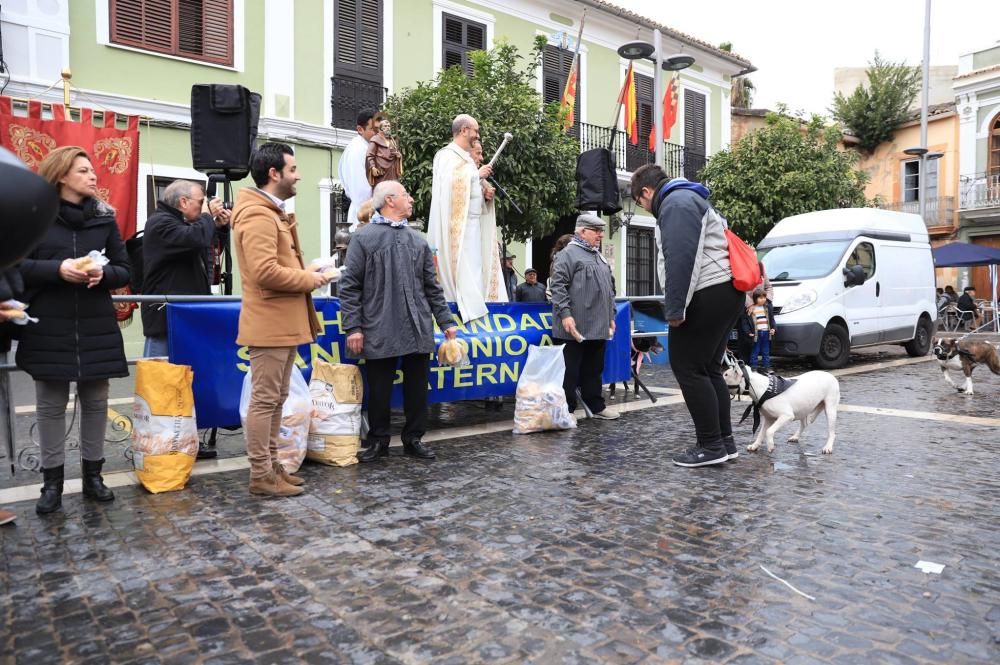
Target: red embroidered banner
x,y
114,152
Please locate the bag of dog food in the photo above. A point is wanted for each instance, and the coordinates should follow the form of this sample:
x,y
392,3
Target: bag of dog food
x,y
541,401
335,432
164,433
296,416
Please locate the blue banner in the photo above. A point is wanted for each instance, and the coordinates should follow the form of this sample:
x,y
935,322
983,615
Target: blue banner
x,y
203,336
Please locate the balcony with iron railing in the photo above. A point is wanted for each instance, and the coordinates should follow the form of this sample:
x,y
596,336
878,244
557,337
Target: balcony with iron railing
x,y
938,212
350,95
678,161
980,191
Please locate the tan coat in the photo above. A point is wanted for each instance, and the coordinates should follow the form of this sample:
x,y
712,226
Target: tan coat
x,y
277,306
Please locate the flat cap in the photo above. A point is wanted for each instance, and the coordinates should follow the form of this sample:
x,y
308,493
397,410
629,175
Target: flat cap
x,y
589,220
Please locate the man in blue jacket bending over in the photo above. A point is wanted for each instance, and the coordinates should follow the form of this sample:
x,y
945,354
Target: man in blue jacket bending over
x,y
701,304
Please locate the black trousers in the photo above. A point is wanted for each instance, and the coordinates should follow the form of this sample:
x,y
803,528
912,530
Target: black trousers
x,y
381,376
696,349
584,366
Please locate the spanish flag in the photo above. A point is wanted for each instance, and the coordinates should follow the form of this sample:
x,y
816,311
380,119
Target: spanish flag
x,y
569,96
627,99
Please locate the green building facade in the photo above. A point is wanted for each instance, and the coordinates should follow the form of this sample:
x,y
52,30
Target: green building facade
x,y
316,62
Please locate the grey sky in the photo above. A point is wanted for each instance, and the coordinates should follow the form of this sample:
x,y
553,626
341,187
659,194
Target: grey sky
x,y
796,44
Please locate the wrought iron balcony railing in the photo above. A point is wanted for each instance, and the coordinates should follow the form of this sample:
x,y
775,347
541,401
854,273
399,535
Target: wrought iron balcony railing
x,y
678,161
980,190
350,96
938,211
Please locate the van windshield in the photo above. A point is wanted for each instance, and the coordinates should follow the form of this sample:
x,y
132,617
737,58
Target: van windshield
x,y
807,260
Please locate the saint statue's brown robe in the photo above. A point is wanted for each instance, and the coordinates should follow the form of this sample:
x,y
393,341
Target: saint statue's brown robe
x,y
383,161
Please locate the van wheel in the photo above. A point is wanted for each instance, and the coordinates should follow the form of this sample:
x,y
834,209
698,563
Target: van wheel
x,y
920,345
834,348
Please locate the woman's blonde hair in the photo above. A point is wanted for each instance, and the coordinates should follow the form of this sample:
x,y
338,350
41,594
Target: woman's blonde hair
x,y
58,163
365,212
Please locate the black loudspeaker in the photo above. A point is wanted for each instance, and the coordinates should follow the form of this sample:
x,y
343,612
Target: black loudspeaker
x,y
596,182
223,128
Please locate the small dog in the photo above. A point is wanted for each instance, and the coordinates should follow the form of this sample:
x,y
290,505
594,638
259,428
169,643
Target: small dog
x,y
802,398
965,354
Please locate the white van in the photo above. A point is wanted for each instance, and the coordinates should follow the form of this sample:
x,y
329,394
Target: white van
x,y
848,278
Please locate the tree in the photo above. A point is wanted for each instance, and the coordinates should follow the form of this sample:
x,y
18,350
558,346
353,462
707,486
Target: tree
x,y
538,167
872,113
788,167
742,88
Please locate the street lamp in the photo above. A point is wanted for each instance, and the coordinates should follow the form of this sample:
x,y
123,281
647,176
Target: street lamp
x,y
628,211
672,63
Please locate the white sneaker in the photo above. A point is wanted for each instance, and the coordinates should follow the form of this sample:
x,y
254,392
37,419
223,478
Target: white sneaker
x,y
607,415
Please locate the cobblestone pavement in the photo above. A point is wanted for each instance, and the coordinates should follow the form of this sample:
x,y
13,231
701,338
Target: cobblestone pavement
x,y
586,546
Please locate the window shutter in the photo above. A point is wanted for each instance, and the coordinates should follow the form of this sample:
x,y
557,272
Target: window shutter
x,y
199,29
359,39
644,102
556,65
459,38
694,122
931,190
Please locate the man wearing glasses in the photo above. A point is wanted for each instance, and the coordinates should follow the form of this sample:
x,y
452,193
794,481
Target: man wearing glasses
x,y
176,253
389,302
454,227
583,308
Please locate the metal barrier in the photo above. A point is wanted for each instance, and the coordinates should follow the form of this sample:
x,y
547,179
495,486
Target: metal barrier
x,y
29,459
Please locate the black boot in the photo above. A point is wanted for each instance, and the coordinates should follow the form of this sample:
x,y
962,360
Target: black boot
x,y
52,488
93,484
375,451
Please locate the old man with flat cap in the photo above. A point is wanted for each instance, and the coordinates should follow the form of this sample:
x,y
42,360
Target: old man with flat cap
x,y
583,307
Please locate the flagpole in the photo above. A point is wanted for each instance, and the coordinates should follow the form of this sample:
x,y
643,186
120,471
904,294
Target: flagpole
x,y
618,112
657,96
576,63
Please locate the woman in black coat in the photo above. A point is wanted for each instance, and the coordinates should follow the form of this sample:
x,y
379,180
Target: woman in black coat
x,y
77,338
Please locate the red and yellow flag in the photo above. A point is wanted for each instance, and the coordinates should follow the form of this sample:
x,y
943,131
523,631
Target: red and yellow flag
x,y
669,113
568,102
627,100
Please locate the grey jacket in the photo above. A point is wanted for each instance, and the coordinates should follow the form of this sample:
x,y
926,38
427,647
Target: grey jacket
x,y
691,241
582,287
389,291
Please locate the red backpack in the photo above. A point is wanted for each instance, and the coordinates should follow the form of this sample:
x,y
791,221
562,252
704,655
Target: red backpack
x,y
744,264
742,259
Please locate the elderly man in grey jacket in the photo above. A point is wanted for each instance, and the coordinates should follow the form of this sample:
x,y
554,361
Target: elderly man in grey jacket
x,y
583,308
389,300
701,305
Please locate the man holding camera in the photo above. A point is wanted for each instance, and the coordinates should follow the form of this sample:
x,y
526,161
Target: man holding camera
x,y
277,312
177,253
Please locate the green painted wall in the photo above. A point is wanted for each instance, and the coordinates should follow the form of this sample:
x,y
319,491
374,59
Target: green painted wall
x,y
602,80
149,76
310,25
412,52
986,58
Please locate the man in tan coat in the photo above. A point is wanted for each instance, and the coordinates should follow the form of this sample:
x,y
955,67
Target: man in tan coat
x,y
277,314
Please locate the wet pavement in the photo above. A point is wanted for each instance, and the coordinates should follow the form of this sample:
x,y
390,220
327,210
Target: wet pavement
x,y
586,546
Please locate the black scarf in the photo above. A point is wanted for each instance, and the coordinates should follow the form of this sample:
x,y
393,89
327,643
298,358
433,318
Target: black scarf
x,y
775,386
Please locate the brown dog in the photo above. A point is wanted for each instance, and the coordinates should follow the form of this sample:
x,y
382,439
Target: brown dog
x,y
965,354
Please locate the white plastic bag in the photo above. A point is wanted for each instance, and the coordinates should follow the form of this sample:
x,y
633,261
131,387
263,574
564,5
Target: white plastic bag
x,y
541,401
453,353
296,415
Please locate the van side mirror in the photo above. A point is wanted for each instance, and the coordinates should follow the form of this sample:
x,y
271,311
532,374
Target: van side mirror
x,y
854,276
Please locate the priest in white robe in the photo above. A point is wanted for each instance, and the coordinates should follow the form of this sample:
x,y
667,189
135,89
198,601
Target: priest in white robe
x,y
352,170
462,225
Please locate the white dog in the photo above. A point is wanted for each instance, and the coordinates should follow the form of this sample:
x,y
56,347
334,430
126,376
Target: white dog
x,y
804,399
